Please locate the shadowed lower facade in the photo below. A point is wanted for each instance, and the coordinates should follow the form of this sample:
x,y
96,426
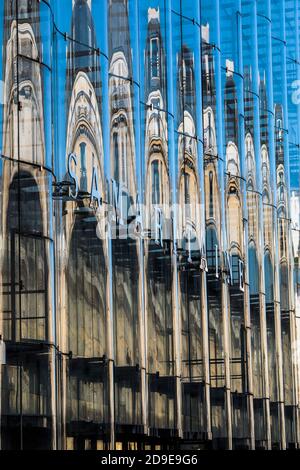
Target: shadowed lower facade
x,y
150,220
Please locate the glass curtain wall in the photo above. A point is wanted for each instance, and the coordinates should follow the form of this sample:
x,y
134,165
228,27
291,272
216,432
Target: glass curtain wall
x,y
27,277
82,251
236,222
293,76
279,57
268,185
255,106
123,191
192,265
149,201
215,232
156,166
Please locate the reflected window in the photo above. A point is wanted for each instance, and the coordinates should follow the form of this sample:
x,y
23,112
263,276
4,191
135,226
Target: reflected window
x,y
124,156
281,236
26,47
208,74
231,115
154,57
268,278
25,276
86,292
187,195
86,334
116,156
187,76
284,287
83,182
212,249
155,182
209,131
211,195
254,270
279,128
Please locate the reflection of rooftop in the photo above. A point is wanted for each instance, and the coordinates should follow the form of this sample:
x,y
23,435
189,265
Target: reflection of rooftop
x,y
205,32
89,2
229,67
153,14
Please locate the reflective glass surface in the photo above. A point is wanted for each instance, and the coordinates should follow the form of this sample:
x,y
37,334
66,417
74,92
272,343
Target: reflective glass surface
x,y
149,236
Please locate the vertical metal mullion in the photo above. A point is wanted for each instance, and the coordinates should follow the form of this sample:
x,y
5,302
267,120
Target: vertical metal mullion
x,y
13,286
108,240
277,314
19,216
175,281
262,302
141,278
296,303
53,339
241,149
292,263
203,294
286,171
224,242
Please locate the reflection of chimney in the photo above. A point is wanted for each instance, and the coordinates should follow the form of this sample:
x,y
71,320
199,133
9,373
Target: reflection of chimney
x,y
89,3
153,14
295,217
205,32
229,68
83,166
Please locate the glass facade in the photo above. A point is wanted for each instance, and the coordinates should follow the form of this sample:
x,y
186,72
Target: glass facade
x,y
150,221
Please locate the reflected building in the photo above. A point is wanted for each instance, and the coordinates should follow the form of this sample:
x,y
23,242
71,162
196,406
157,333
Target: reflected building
x,y
284,248
214,242
149,256
161,382
236,249
126,277
83,256
191,250
26,308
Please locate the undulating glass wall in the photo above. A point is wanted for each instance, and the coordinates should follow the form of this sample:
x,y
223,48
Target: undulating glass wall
x,y
149,204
